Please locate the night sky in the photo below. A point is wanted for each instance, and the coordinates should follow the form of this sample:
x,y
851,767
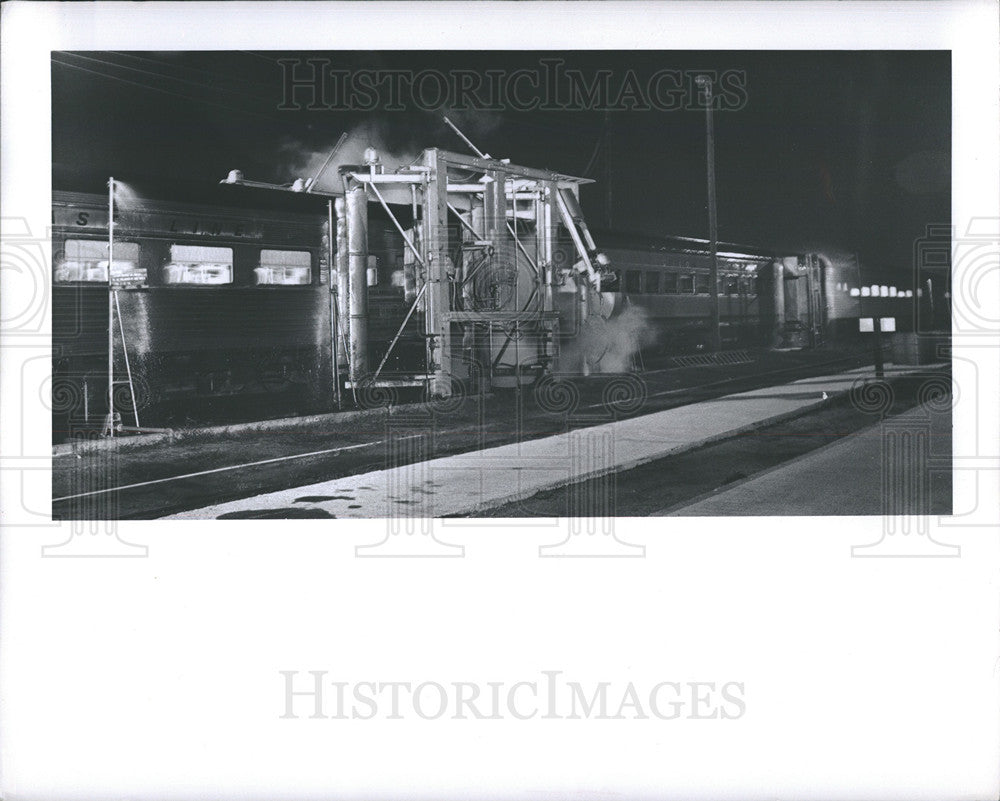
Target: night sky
x,y
842,151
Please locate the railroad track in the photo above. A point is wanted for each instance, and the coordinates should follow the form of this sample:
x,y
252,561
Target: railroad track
x,y
147,484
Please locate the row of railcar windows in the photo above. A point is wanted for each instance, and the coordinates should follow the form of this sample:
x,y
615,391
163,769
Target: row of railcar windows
x,y
86,260
652,282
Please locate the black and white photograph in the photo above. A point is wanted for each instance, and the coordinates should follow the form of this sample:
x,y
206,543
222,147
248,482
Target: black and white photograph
x,y
500,283
553,400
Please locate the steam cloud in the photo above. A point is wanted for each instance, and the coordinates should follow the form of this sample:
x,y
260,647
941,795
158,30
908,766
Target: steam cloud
x,y
396,144
303,161
610,346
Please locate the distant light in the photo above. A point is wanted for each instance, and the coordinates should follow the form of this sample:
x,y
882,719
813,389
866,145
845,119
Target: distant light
x,y
892,292
865,292
866,325
908,293
887,324
234,177
855,291
874,290
884,291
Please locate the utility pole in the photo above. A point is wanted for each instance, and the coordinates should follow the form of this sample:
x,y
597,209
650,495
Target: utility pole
x,y
607,171
705,83
110,424
876,325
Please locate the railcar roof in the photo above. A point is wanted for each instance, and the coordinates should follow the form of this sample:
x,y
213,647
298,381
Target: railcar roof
x,y
677,244
233,202
206,194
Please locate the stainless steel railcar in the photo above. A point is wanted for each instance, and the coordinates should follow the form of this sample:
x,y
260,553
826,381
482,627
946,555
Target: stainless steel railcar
x,y
225,311
213,303
766,298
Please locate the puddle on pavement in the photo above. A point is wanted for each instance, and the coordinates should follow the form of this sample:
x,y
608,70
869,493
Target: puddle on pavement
x,y
289,513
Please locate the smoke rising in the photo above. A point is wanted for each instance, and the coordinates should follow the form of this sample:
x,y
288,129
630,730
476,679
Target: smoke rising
x,y
397,144
300,160
611,345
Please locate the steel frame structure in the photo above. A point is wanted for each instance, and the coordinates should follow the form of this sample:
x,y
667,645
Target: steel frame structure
x,y
503,219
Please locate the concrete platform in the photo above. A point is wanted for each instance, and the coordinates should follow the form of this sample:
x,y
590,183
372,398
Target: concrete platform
x,y
469,482
845,477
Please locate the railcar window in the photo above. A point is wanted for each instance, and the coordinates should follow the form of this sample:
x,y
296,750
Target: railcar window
x,y
732,284
701,284
87,260
750,284
198,264
633,279
685,284
652,283
285,267
670,283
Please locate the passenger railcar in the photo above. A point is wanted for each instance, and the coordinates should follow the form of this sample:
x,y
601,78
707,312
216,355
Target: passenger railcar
x,y
212,302
224,311
766,298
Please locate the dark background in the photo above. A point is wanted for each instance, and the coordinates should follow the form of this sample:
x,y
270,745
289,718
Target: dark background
x,y
843,151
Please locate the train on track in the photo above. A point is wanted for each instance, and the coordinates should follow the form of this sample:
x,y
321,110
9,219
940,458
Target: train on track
x,y
225,310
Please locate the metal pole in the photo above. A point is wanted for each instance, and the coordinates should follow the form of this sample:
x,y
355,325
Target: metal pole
x,y
465,139
392,217
437,327
608,217
876,326
357,238
334,316
111,308
521,247
468,226
343,282
326,163
713,229
399,333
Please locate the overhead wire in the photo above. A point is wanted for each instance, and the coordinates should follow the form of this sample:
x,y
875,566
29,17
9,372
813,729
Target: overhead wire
x,y
185,67
160,89
160,75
